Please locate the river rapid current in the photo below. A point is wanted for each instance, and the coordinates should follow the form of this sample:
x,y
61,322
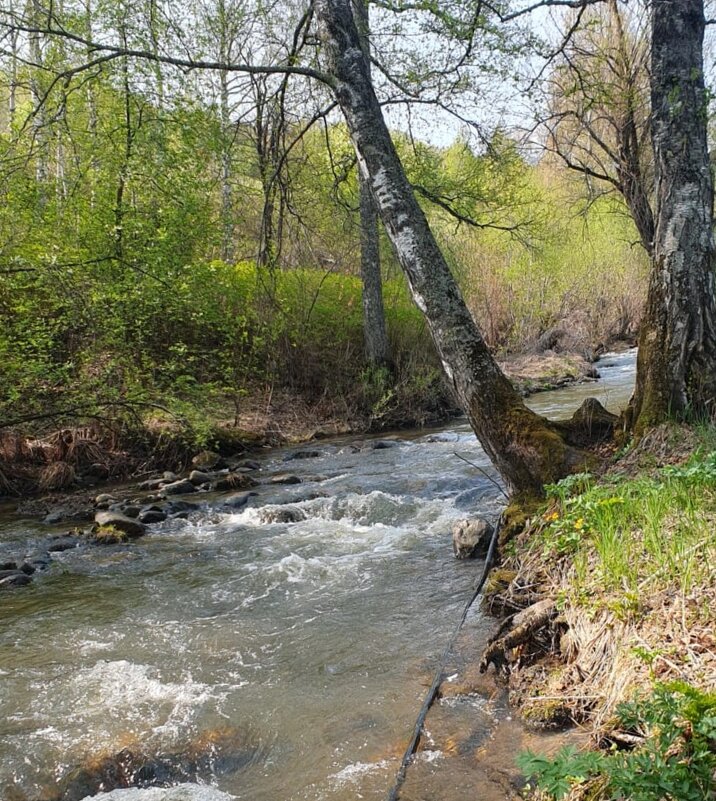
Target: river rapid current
x,y
308,643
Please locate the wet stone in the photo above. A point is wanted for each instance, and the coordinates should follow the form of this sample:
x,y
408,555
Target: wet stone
x,y
63,544
182,487
6,573
247,464
238,499
284,478
181,506
131,527
285,514
471,538
131,510
199,477
152,516
17,579
11,565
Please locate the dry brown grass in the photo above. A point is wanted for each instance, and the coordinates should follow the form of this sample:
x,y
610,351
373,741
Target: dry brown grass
x,y
56,476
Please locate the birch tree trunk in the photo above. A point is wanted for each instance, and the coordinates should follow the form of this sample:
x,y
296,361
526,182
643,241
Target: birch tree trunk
x,y
375,334
524,447
676,368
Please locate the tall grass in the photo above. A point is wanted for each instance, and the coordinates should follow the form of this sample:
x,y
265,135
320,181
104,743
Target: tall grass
x,y
631,538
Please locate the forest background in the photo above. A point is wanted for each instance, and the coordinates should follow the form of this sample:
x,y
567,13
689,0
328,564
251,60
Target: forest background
x,y
180,250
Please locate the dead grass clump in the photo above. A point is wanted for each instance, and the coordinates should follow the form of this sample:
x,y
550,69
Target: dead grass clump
x,y
57,476
666,444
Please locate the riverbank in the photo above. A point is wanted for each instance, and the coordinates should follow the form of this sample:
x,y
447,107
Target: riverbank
x,y
608,597
123,440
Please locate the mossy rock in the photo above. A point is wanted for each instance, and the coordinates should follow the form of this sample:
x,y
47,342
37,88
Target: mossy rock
x,y
109,535
545,713
498,581
517,516
229,441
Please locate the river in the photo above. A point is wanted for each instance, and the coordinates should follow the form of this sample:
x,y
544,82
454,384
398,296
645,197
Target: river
x,y
313,639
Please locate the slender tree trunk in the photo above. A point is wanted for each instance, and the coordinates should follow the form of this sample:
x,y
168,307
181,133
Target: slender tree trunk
x,y
39,121
525,448
676,368
227,195
375,334
12,98
123,176
629,165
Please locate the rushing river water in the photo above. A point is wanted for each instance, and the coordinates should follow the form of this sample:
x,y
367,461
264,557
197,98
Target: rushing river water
x,y
313,638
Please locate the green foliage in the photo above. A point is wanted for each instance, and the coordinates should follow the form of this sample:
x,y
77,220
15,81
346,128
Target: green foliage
x,y
676,762
626,536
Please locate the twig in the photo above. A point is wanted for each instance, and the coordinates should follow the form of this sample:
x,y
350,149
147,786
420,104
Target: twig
x,y
484,473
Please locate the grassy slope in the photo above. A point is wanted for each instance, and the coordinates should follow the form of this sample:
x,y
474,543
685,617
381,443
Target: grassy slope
x,y
630,559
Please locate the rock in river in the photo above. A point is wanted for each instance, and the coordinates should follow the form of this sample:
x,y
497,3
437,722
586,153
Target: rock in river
x,y
238,499
132,528
282,514
471,538
14,578
284,478
181,487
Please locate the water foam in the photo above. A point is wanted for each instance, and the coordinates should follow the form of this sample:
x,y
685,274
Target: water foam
x,y
182,792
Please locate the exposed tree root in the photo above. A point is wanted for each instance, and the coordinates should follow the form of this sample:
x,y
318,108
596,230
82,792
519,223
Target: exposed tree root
x,y
515,631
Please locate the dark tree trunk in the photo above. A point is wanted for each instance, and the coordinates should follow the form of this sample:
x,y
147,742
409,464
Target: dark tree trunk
x,y
375,334
676,369
525,448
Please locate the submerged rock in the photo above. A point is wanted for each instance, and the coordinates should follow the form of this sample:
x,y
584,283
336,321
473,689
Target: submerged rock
x,y
471,538
213,753
238,499
303,455
63,544
282,514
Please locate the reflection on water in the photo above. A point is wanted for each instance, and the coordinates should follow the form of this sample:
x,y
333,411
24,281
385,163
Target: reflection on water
x,y
314,638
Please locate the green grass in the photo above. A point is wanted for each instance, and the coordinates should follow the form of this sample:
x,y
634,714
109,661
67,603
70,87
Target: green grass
x,y
631,538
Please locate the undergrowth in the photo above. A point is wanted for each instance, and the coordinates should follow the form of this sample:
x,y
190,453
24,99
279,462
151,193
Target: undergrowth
x,y
630,538
674,758
631,561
